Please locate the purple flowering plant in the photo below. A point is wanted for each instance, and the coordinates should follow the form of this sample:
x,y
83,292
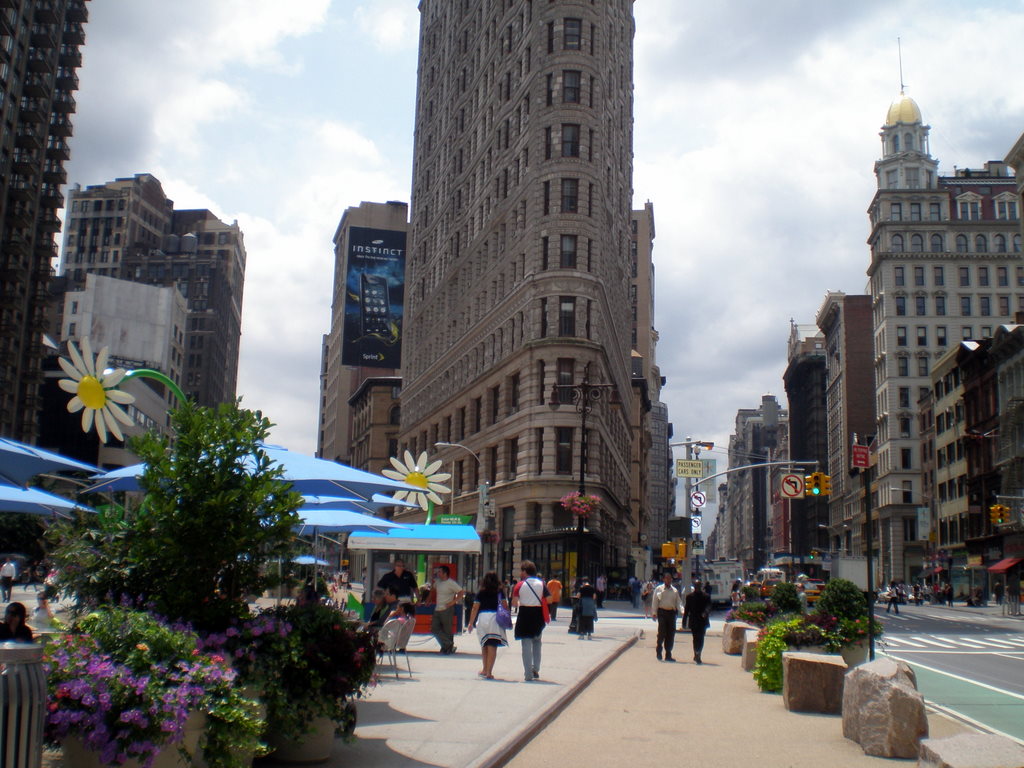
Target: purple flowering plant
x,y
124,682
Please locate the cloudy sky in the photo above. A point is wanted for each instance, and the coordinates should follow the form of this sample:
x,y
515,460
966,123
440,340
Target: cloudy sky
x,y
756,133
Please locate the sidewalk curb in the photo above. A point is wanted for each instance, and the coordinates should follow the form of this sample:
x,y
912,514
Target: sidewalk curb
x,y
509,748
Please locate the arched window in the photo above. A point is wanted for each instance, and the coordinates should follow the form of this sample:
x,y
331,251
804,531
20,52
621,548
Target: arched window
x,y
908,140
937,246
916,243
961,243
999,241
395,415
981,244
897,243
895,142
1016,243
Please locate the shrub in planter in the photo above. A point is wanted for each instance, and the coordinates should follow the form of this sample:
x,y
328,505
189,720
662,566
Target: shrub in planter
x,y
756,613
771,643
843,599
124,683
751,592
786,599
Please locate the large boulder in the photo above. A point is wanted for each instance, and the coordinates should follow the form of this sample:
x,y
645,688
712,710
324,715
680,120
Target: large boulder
x,y
971,750
732,637
750,649
812,682
882,709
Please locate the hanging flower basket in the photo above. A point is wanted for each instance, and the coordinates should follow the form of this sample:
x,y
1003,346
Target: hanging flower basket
x,y
581,505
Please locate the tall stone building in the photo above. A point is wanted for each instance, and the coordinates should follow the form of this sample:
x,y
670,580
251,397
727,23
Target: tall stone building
x,y
945,267
39,57
520,268
845,321
804,380
129,229
339,382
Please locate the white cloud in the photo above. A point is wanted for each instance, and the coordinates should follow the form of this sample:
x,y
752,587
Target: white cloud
x,y
391,24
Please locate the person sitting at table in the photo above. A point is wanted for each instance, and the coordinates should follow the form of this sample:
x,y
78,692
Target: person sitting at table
x,y
383,604
13,627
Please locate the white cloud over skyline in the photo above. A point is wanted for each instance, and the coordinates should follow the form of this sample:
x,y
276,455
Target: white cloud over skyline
x,y
756,130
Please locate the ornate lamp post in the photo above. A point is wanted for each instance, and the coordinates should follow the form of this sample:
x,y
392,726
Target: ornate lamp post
x,y
584,395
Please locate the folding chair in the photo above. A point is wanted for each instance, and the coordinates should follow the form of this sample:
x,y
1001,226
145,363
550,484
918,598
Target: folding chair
x,y
393,638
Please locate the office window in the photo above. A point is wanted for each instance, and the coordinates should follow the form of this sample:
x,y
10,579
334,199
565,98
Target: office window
x,y
572,34
899,273
495,403
904,397
478,407
901,305
920,307
538,447
512,457
896,212
967,332
541,383
940,335
901,336
981,244
544,253
937,245
965,276
922,366
570,140
547,198
961,243
543,317
939,275
965,306
567,316
940,305
563,450
906,458
922,336
983,276
1006,209
571,82
935,211
1004,306
904,427
547,143
915,211
1002,277
985,305
897,246
999,244
570,195
513,393
913,174
902,366
909,523
970,210
567,255
566,377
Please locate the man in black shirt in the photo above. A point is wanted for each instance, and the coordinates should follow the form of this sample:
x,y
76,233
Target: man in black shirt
x,y
696,613
400,583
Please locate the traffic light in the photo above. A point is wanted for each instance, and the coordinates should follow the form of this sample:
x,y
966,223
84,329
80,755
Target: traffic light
x,y
812,484
668,550
826,484
998,514
681,549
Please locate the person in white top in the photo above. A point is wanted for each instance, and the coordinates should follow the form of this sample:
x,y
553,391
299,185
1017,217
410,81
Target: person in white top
x,y
529,595
666,604
446,593
8,573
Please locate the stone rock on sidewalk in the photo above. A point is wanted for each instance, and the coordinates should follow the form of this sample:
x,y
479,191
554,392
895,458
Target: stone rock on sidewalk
x,y
882,709
971,750
812,682
732,636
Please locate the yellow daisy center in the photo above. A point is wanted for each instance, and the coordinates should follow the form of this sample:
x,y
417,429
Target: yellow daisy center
x,y
418,479
92,393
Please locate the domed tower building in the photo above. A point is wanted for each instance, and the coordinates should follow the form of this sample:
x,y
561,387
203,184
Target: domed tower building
x,y
945,268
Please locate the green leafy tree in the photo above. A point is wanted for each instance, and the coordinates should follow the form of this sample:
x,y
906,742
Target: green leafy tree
x,y
785,597
215,515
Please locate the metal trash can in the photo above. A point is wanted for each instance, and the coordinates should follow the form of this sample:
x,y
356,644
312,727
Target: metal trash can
x,y
22,705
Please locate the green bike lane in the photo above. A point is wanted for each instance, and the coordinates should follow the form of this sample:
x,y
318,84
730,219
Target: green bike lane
x,y
980,704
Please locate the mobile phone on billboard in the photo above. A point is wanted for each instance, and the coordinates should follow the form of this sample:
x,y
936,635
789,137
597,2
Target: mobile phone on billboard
x,y
375,303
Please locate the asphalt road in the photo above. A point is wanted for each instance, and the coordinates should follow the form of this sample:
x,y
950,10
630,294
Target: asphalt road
x,y
971,665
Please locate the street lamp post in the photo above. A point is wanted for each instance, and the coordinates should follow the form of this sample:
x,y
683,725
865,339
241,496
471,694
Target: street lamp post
x,y
480,523
584,395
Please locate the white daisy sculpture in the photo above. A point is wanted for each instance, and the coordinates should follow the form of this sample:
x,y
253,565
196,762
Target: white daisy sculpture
x,y
422,473
94,390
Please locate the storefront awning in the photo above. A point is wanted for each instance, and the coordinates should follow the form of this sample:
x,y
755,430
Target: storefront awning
x,y
1005,564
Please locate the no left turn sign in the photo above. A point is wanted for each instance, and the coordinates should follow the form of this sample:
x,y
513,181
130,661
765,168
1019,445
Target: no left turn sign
x,y
793,486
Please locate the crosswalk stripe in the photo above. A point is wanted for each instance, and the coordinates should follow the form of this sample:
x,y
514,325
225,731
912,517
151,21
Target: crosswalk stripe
x,y
933,642
902,641
969,642
994,643
1014,641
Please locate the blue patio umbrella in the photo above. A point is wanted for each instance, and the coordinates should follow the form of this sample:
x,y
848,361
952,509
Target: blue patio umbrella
x,y
32,501
20,462
307,474
340,520
308,560
376,502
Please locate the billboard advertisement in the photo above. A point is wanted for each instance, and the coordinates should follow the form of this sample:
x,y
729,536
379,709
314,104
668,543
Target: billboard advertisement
x,y
374,298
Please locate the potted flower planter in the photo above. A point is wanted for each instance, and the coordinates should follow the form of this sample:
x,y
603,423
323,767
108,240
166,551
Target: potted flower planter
x,y
78,755
312,747
855,653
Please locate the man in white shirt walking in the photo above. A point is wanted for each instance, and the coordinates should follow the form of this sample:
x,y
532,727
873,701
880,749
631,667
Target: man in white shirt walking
x,y
8,574
666,604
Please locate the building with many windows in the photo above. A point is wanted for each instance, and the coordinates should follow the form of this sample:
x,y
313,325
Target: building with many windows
x,y
520,267
129,229
945,267
39,58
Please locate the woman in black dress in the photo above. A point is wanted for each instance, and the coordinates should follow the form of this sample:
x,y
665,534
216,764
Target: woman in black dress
x,y
13,627
484,618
